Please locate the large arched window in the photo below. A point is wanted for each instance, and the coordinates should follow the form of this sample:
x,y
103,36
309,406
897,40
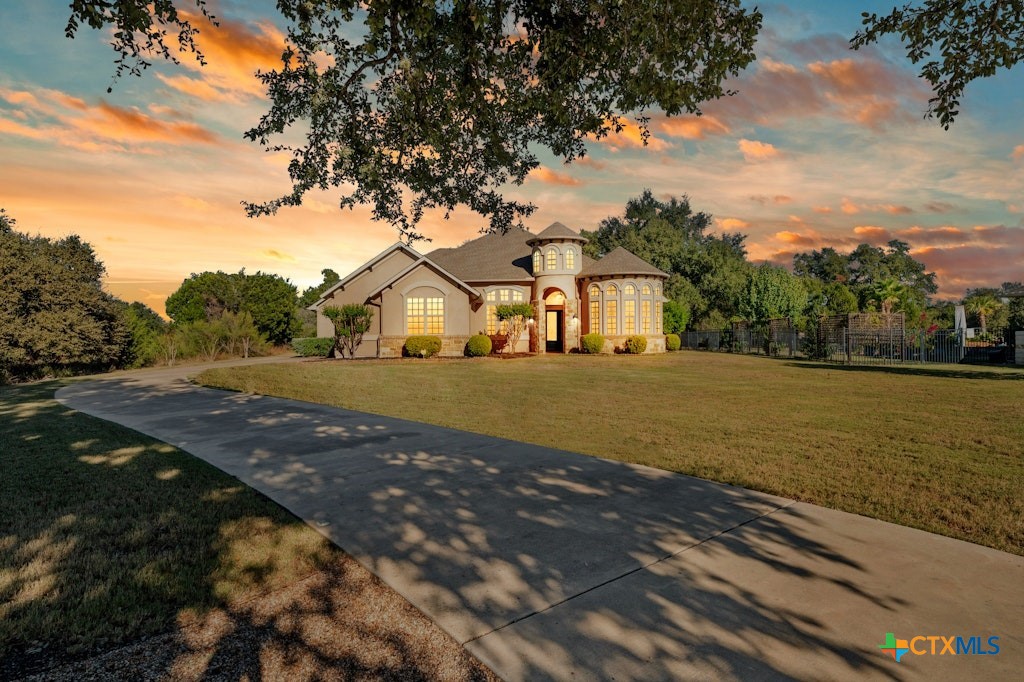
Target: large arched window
x,y
645,317
629,316
424,315
611,310
629,290
595,309
552,260
570,258
536,261
646,290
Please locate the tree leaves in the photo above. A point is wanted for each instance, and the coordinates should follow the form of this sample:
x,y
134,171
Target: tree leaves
x,y
958,42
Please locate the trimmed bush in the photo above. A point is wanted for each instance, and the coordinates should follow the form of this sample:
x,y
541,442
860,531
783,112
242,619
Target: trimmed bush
x,y
421,346
312,347
592,343
478,346
673,342
635,345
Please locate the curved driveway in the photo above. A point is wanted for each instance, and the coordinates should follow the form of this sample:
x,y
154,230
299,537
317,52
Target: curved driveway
x,y
553,565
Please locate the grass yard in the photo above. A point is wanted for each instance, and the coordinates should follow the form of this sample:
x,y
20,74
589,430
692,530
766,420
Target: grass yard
x,y
107,536
938,449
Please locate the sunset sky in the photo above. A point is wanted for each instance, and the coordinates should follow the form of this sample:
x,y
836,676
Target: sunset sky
x,y
821,147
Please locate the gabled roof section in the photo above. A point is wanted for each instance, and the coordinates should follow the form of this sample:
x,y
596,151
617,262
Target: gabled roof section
x,y
619,261
368,265
425,262
556,231
492,257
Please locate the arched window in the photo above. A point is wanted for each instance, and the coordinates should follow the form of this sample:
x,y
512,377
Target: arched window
x,y
492,295
645,317
552,263
570,258
630,290
629,314
517,296
657,290
611,310
536,261
646,291
595,292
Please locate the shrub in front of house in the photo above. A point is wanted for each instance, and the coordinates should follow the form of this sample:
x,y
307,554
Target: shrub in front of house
x,y
478,346
592,344
421,346
673,342
312,347
635,345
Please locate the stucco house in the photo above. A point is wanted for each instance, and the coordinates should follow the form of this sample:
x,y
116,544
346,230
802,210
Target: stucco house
x,y
452,293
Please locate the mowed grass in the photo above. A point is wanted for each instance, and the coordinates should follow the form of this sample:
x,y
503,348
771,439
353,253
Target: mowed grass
x,y
108,536
937,449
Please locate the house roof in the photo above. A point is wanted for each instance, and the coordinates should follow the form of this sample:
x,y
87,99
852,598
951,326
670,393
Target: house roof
x,y
427,263
1014,292
492,257
619,261
556,231
397,246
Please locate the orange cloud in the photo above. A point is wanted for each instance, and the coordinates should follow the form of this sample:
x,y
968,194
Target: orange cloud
x,y
119,123
778,199
71,122
692,127
733,224
753,150
848,207
630,136
234,52
822,209
1018,152
935,235
278,255
546,175
873,233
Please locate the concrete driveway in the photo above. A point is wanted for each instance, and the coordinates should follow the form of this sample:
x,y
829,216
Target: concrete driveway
x,y
548,564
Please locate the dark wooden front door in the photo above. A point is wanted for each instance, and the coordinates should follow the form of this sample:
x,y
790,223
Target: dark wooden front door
x,y
553,328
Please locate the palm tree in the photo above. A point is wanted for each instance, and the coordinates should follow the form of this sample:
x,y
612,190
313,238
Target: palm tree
x,y
886,294
982,305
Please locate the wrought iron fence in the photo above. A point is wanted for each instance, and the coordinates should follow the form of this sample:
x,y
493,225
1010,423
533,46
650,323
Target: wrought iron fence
x,y
883,346
777,342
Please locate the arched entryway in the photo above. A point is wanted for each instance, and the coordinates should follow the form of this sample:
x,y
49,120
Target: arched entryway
x,y
554,320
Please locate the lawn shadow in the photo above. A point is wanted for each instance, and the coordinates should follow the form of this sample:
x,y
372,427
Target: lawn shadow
x,y
549,563
124,557
944,372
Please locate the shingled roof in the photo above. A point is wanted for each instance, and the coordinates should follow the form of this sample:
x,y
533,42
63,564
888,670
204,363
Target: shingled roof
x,y
556,231
619,261
493,257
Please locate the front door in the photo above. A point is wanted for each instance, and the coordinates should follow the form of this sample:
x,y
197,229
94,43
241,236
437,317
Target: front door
x,y
553,326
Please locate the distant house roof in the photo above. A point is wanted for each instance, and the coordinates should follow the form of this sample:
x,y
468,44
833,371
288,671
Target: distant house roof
x,y
492,257
619,261
1014,292
556,231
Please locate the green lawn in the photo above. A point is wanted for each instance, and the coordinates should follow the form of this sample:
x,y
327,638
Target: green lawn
x,y
107,536
938,449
